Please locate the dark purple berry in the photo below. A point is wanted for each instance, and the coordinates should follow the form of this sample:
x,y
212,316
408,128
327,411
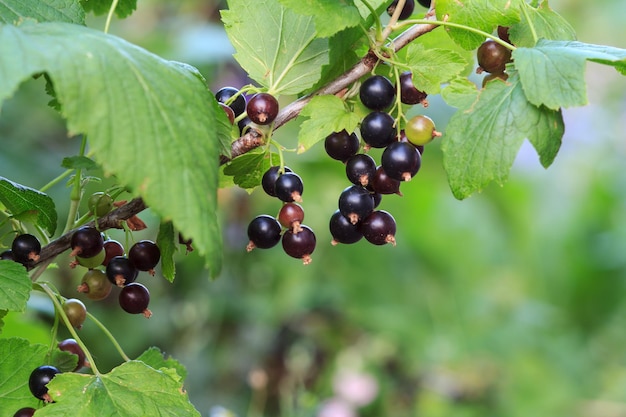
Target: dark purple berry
x,y
121,271
342,230
26,248
384,184
134,299
71,346
86,242
360,169
379,228
7,255
377,197
263,232
409,94
407,10
145,255
378,130
401,161
25,412
268,181
289,187
243,125
38,380
355,203
424,3
112,248
341,145
224,95
291,216
262,108
493,57
377,92
299,245
229,113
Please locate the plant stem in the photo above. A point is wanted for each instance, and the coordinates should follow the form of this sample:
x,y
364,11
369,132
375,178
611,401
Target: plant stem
x,y
57,180
110,16
76,192
394,19
379,26
109,335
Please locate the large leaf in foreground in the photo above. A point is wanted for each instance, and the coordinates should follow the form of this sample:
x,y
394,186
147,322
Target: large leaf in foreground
x,y
544,23
15,286
278,48
149,121
481,142
18,358
13,12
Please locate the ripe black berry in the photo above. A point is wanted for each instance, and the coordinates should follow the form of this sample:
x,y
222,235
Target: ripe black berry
x,y
378,130
268,181
7,255
145,255
71,346
75,311
360,169
377,92
355,203
243,125
86,242
38,380
263,232
401,161
229,112
407,10
291,216
26,248
379,228
493,57
262,108
341,145
409,94
225,94
95,284
342,230
121,271
112,248
503,33
424,3
289,187
384,184
299,245
134,299
25,412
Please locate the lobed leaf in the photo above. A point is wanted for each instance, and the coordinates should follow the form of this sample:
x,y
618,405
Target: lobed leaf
x,y
433,67
156,359
15,286
79,162
14,12
27,203
460,93
481,141
248,169
123,9
18,358
545,22
330,16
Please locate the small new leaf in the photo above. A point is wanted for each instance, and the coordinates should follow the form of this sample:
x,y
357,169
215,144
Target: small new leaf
x,y
248,169
156,359
26,202
14,12
79,162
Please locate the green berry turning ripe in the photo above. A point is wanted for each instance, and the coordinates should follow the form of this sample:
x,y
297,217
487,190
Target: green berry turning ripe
x,y
100,204
420,130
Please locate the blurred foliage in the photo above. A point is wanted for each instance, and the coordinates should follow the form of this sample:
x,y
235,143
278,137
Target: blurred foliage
x,y
507,304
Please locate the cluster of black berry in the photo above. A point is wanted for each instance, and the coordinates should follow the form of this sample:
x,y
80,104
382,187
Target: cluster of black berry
x,y
265,231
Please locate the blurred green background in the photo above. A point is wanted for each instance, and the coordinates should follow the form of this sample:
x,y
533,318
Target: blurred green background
x,y
507,304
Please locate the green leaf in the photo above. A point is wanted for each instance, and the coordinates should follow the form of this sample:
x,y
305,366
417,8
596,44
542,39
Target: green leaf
x,y
330,16
460,93
79,162
64,361
326,114
278,48
124,7
132,389
167,243
479,14
481,141
2,314
18,358
546,23
14,12
248,169
156,359
149,121
432,67
15,286
21,200
553,72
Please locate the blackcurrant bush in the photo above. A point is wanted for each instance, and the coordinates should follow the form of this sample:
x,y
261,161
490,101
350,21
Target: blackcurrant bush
x,y
493,57
87,242
134,299
342,230
26,248
225,95
71,346
121,271
360,169
407,10
355,203
112,248
409,94
268,181
378,129
262,108
420,130
341,145
289,187
424,3
401,161
377,92
75,311
100,204
379,228
384,184
263,232
39,378
145,255
299,245
25,412
95,284
7,255
291,216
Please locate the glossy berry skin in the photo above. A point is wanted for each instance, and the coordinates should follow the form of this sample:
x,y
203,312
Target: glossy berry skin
x,y
121,271
144,255
420,130
342,230
263,232
384,184
341,145
377,92
134,299
268,181
401,161
379,228
409,94
493,57
289,187
224,95
25,412
378,130
355,203
262,108
291,216
229,113
360,169
407,10
39,378
26,248
243,125
100,204
299,245
7,255
424,3
71,346
75,311
86,242
112,248
95,284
